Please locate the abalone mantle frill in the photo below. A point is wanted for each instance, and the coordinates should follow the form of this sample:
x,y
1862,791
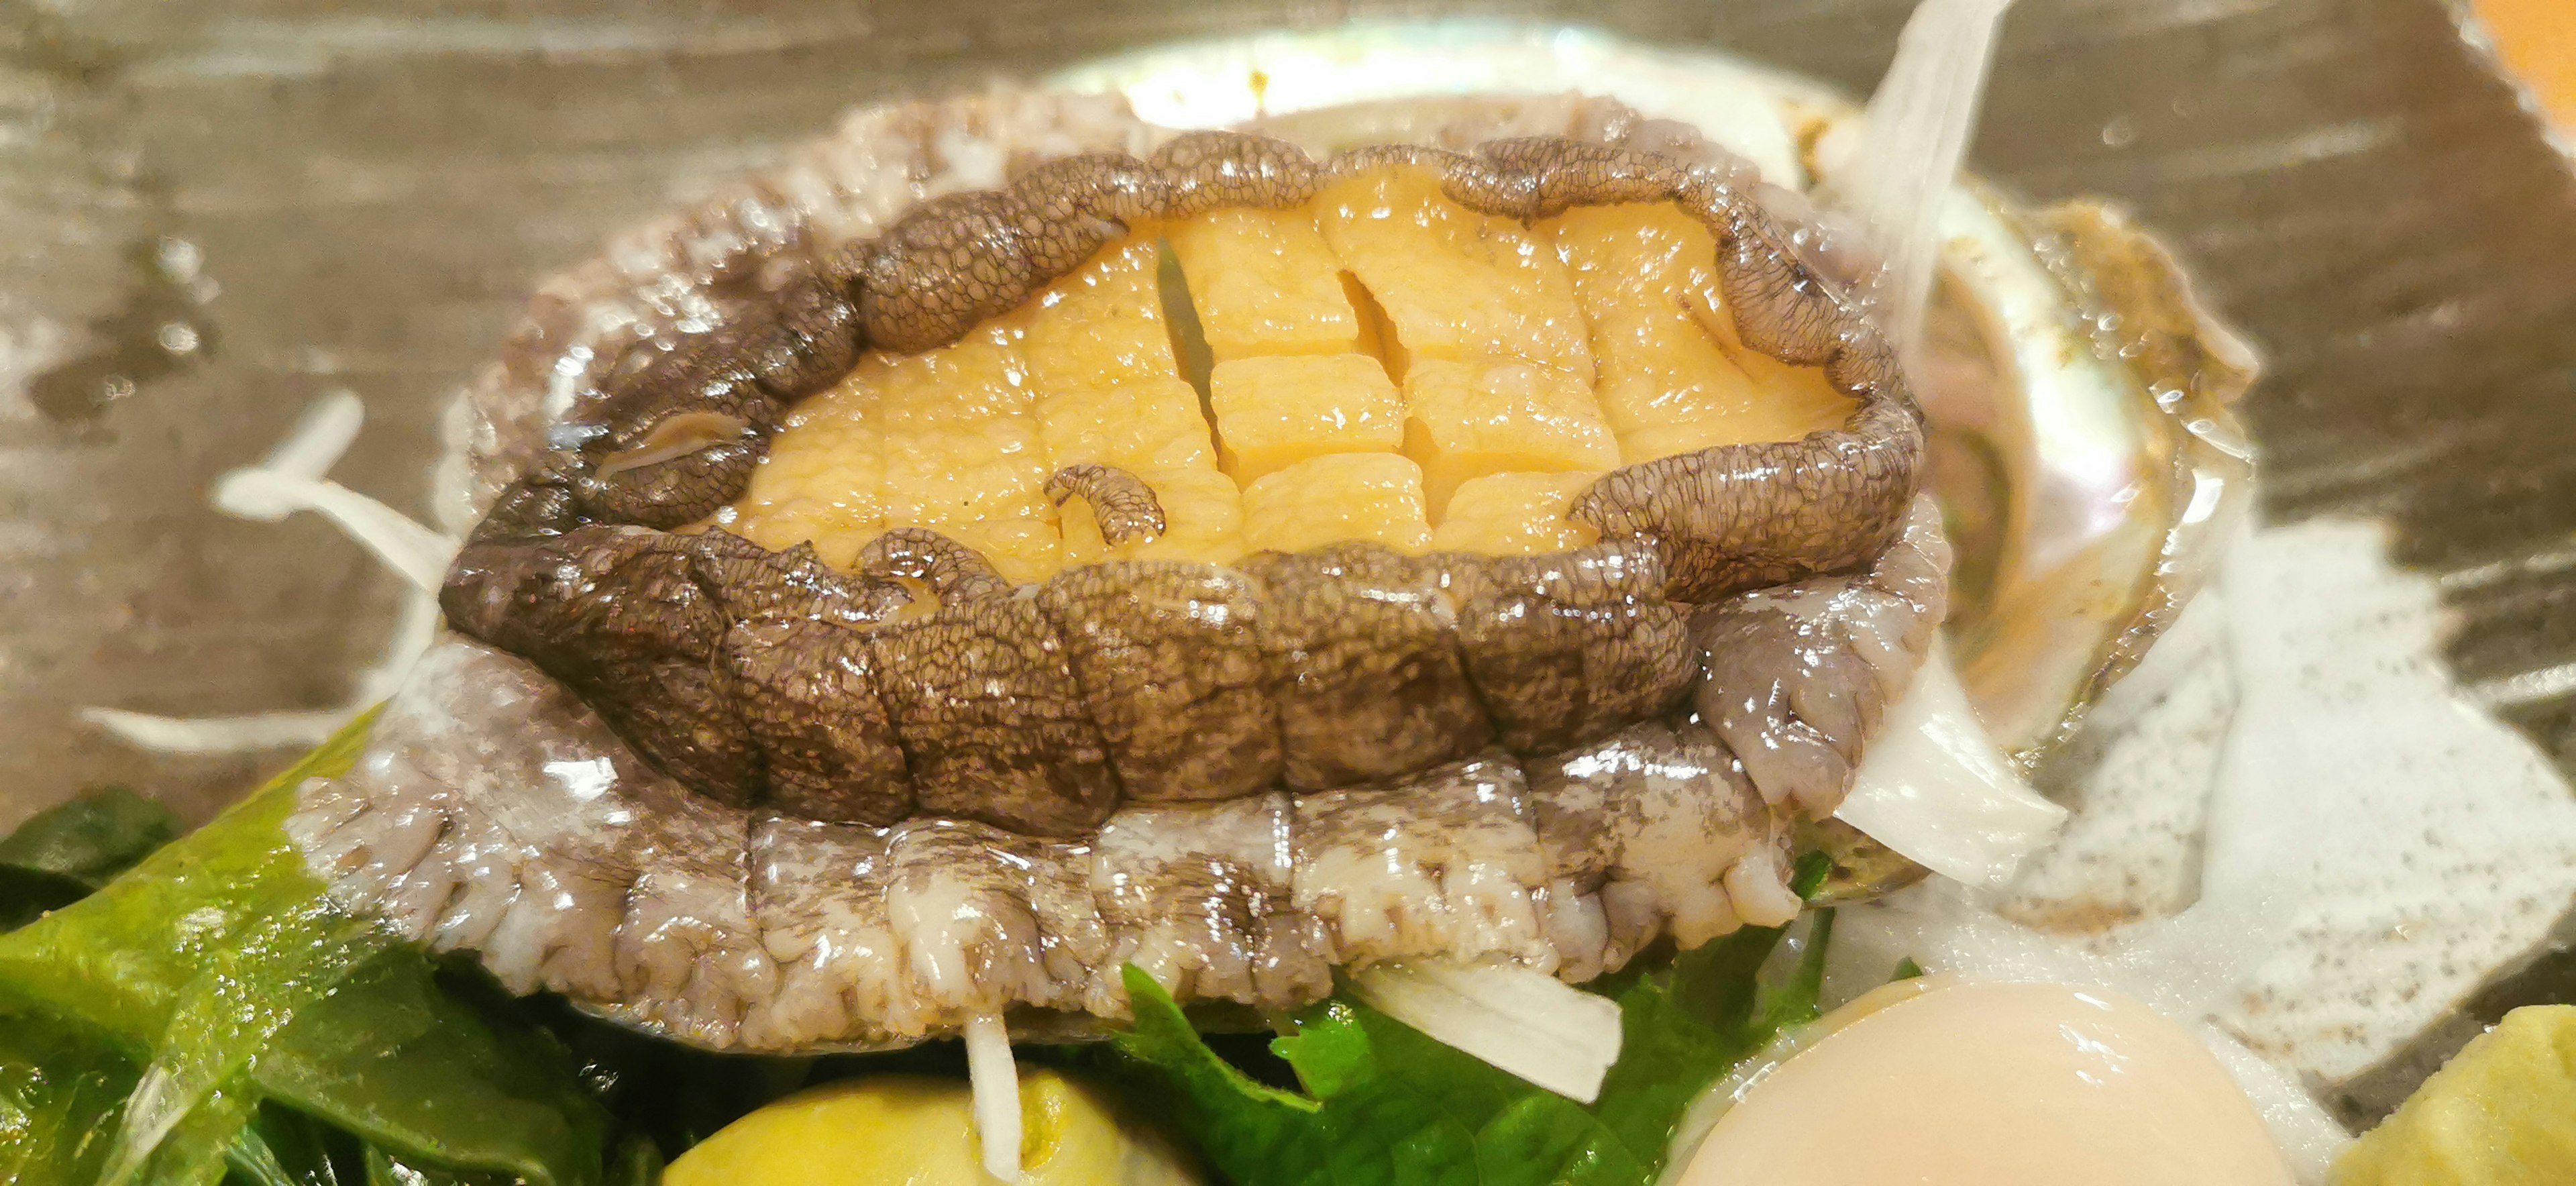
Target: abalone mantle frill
x,y
737,804
495,813
758,677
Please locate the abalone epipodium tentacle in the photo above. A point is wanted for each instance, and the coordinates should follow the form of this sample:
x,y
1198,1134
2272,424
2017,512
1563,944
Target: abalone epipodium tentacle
x,y
495,812
1798,676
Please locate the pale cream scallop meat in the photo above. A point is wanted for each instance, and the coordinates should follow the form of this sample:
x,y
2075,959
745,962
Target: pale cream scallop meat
x,y
1993,1084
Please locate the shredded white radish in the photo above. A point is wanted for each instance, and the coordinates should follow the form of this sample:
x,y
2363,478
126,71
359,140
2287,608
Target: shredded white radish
x,y
996,1082
288,480
1934,788
1912,145
416,552
1522,1021
219,735
319,439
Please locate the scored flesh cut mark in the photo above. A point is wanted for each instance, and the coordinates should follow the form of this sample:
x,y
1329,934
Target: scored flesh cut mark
x,y
1542,794
1366,651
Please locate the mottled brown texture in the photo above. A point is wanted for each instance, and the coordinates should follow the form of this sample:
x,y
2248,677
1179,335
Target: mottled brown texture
x,y
1586,799
1361,646
951,570
530,508
1201,897
1796,678
1206,170
803,337
673,438
1367,669
1443,862
1782,308
1169,660
1736,517
753,582
495,814
1534,177
620,615
959,260
705,378
1805,704
1122,504
991,720
2426,379
1657,829
777,346
806,690
1568,647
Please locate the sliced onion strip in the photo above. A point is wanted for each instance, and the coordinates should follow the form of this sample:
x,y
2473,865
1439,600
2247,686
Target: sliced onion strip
x,y
1933,787
1522,1021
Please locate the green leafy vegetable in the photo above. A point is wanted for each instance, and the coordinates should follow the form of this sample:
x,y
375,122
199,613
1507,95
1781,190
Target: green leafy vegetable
x,y
92,838
1384,1105
385,1169
60,1096
62,853
220,964
392,1058
283,1147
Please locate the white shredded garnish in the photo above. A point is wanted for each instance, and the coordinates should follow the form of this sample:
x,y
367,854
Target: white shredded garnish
x,y
995,1079
219,735
1933,787
416,552
288,480
320,437
1911,147
1522,1021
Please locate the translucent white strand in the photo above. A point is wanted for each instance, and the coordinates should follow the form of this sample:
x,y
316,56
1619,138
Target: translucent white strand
x,y
995,1078
417,553
319,439
288,480
1522,1021
1914,139
219,735
1933,787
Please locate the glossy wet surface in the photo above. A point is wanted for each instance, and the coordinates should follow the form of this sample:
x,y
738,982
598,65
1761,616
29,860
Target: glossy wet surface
x,y
237,209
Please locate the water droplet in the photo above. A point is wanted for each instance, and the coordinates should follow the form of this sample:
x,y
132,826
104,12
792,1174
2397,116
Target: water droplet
x,y
2120,132
178,258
